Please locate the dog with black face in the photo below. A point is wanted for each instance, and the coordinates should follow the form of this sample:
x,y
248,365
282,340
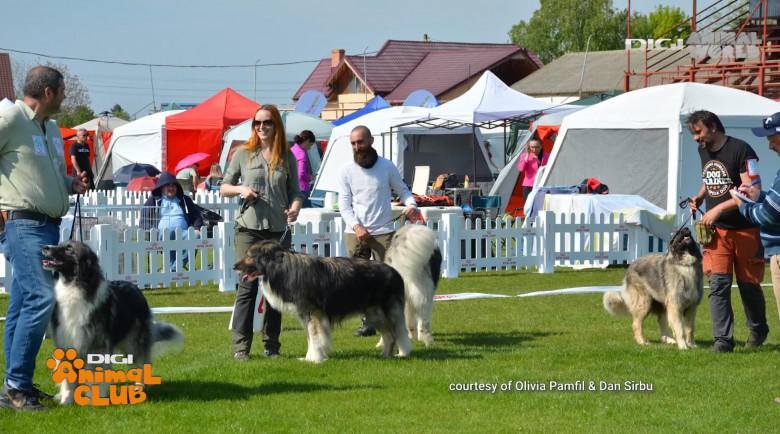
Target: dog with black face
x,y
96,316
669,285
321,292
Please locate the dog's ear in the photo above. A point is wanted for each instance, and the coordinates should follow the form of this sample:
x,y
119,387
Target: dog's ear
x,y
279,256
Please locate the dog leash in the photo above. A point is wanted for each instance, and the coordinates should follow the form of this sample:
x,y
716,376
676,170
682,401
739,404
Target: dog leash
x,y
77,213
684,204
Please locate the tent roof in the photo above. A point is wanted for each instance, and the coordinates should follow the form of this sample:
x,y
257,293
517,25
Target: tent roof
x,y
378,103
109,123
172,106
223,110
490,99
658,106
145,125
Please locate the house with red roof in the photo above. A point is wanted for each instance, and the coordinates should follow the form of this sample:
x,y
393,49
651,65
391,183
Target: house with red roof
x,y
446,69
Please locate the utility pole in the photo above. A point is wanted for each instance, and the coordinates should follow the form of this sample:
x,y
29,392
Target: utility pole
x,y
154,104
255,68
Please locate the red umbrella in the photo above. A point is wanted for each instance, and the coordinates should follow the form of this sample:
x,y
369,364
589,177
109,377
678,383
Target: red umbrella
x,y
143,183
191,159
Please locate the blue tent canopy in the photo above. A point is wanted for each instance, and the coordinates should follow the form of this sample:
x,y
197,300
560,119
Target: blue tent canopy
x,y
378,103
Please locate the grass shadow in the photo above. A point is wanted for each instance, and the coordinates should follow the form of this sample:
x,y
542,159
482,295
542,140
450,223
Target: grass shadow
x,y
492,339
206,391
419,351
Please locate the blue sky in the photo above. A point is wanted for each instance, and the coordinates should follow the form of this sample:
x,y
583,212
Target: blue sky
x,y
233,32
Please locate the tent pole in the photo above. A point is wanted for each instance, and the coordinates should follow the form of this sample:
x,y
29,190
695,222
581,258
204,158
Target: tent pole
x,y
474,149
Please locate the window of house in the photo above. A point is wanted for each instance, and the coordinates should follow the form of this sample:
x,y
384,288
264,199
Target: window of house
x,y
355,85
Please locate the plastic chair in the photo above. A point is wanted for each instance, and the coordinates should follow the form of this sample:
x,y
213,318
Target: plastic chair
x,y
490,206
420,183
186,185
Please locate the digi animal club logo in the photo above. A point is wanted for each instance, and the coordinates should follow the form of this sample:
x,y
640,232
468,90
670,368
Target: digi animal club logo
x,y
124,387
716,178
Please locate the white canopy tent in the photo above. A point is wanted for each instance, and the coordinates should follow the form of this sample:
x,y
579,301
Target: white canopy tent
x,y
443,150
489,104
637,143
139,141
490,100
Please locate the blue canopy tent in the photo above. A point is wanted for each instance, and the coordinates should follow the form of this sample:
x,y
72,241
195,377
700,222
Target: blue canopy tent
x,y
378,103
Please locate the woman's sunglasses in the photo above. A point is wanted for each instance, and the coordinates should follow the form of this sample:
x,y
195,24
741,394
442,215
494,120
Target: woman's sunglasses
x,y
266,123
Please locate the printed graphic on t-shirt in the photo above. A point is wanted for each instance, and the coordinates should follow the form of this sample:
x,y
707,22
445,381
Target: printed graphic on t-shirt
x,y
716,178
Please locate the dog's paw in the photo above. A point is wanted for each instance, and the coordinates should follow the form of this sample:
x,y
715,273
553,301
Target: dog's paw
x,y
312,359
63,399
668,340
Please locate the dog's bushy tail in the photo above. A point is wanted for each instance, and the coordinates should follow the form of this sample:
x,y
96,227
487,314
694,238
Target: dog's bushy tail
x,y
166,335
614,304
413,247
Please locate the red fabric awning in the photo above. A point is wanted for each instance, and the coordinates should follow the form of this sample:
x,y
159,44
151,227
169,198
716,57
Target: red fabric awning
x,y
200,129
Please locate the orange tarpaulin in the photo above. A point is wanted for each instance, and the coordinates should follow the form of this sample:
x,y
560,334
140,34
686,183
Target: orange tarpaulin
x,y
546,133
200,129
69,136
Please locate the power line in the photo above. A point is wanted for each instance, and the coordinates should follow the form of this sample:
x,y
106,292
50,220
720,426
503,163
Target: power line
x,y
157,64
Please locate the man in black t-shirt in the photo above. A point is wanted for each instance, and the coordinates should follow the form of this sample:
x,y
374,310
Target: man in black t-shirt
x,y
79,156
735,247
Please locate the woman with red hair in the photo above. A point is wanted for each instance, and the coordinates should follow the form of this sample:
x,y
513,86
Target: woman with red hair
x,y
270,200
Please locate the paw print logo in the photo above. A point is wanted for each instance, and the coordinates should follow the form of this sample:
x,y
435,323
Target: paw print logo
x,y
66,366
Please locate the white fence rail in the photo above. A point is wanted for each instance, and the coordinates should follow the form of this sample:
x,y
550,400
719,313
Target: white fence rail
x,y
129,253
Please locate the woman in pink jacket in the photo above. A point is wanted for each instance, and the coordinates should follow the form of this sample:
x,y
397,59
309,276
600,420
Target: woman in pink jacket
x,y
530,162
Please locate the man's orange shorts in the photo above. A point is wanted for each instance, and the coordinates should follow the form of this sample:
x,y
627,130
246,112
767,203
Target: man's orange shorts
x,y
735,250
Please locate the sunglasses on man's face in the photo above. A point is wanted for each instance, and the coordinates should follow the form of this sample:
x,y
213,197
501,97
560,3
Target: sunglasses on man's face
x,y
266,123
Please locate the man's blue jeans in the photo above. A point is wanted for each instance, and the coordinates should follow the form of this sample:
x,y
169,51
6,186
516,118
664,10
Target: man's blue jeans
x,y
32,296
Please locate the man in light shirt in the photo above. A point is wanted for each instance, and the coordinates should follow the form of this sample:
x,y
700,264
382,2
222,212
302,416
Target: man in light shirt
x,y
365,193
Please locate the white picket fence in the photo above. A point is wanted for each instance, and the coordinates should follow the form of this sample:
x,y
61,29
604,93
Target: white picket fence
x,y
129,253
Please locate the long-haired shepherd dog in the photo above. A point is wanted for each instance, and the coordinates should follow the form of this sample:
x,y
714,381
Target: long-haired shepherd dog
x,y
324,291
414,253
667,284
97,316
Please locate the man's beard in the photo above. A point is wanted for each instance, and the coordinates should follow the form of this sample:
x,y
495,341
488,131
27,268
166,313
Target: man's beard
x,y
366,158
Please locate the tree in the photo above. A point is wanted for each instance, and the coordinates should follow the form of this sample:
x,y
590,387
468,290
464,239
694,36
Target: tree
x,y
77,101
664,22
77,116
117,111
561,26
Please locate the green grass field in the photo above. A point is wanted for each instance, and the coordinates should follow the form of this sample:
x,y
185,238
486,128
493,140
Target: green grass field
x,y
516,342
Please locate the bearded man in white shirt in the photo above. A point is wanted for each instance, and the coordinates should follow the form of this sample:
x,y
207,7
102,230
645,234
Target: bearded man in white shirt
x,y
366,188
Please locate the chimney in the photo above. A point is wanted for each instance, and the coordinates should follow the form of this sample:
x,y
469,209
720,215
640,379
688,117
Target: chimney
x,y
425,37
335,57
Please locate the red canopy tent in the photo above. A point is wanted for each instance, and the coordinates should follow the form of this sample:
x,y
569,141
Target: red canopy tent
x,y
200,129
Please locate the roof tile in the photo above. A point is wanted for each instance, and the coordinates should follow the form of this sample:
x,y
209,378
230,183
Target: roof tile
x,y
426,64
6,77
